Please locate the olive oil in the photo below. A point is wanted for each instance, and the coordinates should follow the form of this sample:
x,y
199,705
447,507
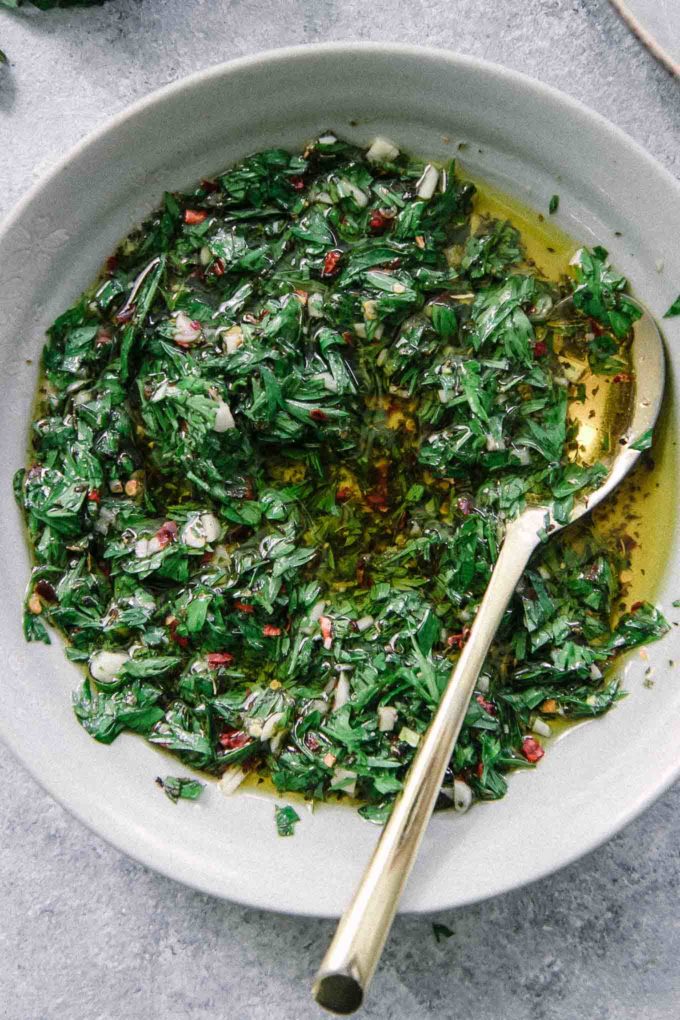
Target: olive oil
x,y
545,244
642,511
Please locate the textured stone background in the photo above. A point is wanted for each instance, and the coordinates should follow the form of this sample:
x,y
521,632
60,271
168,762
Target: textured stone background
x,y
86,934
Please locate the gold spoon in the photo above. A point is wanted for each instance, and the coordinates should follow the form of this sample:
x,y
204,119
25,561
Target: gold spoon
x,y
612,420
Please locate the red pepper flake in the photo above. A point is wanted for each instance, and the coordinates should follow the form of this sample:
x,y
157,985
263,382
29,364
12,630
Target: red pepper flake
x,y
233,739
297,183
46,591
622,377
348,338
458,640
330,263
597,328
94,496
361,573
210,186
636,606
179,639
193,217
531,749
219,267
488,706
311,742
379,496
216,659
326,625
125,313
244,607
316,414
479,769
378,223
343,494
465,505
112,264
167,533
540,348
103,338
269,630
207,557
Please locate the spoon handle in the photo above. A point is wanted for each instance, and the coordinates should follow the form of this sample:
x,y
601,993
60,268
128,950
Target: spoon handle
x,y
353,955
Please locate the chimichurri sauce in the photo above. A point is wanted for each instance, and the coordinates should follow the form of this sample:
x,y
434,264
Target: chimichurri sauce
x,y
276,445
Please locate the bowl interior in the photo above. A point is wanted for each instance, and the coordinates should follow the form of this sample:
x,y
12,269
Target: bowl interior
x,y
522,137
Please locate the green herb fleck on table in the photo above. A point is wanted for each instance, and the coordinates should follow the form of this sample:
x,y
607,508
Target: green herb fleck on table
x,y
674,309
276,448
441,931
286,820
554,204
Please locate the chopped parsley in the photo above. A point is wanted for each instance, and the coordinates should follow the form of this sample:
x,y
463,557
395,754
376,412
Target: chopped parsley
x,y
553,204
674,309
180,788
600,292
286,820
276,445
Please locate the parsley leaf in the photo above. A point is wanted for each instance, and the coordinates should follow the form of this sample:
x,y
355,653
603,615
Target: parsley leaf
x,y
286,820
179,787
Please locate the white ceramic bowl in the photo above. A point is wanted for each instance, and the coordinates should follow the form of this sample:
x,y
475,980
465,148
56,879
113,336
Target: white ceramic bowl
x,y
527,139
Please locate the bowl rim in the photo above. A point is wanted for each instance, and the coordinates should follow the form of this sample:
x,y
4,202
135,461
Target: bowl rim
x,y
132,846
287,53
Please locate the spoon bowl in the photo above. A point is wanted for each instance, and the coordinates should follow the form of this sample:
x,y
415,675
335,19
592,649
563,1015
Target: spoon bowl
x,y
618,411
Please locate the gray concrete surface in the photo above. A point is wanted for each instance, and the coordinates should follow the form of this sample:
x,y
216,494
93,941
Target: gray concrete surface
x,y
86,934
